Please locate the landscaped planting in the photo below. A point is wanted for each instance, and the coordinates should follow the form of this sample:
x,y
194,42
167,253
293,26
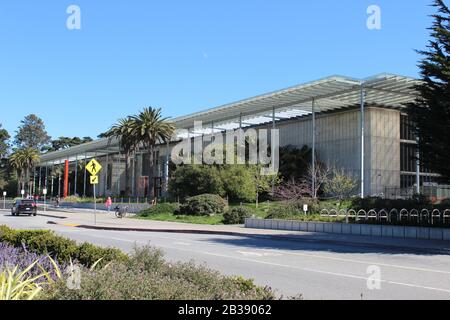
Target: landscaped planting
x,y
21,258
108,274
62,249
236,215
146,276
203,205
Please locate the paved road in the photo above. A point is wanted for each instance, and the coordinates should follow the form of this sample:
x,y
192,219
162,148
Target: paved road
x,y
317,270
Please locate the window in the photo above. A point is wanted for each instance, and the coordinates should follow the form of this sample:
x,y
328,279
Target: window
x,y
109,180
406,128
407,157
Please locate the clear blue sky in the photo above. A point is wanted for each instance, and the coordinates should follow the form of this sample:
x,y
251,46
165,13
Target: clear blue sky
x,y
186,56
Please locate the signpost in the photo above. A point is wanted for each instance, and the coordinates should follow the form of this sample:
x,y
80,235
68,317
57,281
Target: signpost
x,y
4,200
44,191
93,167
305,208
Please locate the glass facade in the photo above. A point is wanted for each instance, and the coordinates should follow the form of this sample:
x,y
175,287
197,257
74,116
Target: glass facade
x,y
408,157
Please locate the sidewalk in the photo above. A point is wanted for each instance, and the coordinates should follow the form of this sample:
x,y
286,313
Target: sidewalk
x,y
80,218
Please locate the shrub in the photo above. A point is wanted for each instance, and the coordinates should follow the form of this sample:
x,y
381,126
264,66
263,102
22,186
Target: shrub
x,y
203,205
162,208
20,257
283,210
236,215
148,277
193,180
64,250
379,204
239,183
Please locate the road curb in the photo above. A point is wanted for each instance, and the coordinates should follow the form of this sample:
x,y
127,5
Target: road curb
x,y
225,233
296,238
50,216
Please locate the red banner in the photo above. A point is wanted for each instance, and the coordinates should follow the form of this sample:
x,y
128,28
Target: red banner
x,y
66,179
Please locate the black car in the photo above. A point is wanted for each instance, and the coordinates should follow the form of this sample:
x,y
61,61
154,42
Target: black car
x,y
24,207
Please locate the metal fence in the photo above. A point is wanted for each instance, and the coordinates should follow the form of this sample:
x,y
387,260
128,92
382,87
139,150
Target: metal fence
x,y
424,216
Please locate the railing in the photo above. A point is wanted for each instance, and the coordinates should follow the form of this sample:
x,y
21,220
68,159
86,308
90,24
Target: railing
x,y
425,216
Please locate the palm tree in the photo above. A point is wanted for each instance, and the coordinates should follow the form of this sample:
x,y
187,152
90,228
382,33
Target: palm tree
x,y
150,128
23,160
16,163
122,130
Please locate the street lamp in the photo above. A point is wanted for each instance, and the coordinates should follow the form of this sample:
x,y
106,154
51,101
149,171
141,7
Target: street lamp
x,y
4,200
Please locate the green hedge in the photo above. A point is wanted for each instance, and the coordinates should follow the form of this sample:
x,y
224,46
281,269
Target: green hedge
x,y
203,205
236,215
64,250
379,204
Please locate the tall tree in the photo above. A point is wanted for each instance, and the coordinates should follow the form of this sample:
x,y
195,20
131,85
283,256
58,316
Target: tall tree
x,y
150,128
431,111
65,142
23,161
294,162
32,133
122,131
4,145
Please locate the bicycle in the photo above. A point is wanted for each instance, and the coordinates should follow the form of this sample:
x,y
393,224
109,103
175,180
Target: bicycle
x,y
121,212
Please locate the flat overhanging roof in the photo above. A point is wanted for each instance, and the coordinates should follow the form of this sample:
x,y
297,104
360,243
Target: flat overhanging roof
x,y
329,94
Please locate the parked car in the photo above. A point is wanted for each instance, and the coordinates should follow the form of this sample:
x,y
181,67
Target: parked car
x,y
24,207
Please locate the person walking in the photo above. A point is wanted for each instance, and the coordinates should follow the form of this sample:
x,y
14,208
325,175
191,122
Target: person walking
x,y
57,201
108,204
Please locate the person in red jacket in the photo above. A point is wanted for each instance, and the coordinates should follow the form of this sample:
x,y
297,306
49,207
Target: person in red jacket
x,y
108,204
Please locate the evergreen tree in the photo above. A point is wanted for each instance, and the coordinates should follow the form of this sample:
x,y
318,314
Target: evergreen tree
x,y
32,134
4,145
431,111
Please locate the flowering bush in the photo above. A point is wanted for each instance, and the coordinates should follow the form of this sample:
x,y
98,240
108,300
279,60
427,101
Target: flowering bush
x,y
11,257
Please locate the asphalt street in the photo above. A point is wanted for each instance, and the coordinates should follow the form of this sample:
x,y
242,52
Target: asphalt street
x,y
316,270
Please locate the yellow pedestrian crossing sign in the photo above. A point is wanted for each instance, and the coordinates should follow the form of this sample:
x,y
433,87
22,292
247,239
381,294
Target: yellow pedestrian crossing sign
x,y
93,167
94,179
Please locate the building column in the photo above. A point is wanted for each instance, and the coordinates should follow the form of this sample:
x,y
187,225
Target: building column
x,y
105,187
66,178
118,173
166,169
84,182
274,127
76,175
46,176
40,181
313,157
363,124
417,167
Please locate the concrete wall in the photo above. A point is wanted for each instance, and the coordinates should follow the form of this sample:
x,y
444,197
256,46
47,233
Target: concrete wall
x,y
352,229
338,143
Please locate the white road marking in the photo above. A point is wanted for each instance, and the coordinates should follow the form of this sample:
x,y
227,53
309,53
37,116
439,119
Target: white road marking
x,y
182,244
322,257
342,275
258,254
364,262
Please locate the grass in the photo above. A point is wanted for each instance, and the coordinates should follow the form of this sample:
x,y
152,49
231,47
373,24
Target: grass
x,y
260,212
210,220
